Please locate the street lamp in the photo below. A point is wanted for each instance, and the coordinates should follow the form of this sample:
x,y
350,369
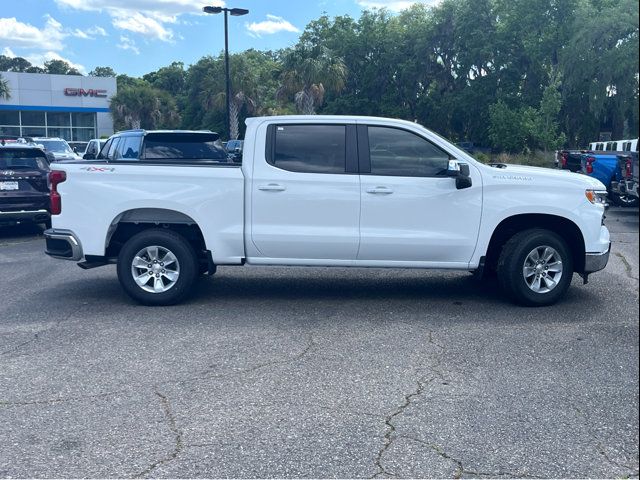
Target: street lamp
x,y
235,12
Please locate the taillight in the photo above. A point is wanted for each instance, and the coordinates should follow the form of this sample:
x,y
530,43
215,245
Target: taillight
x,y
565,158
590,161
627,168
55,201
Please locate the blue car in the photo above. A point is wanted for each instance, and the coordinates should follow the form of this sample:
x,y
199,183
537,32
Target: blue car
x,y
604,167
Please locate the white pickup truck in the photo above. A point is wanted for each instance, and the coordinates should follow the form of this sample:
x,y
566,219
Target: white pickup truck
x,y
322,191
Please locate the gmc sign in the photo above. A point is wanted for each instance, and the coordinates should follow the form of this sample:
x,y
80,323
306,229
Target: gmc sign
x,y
81,92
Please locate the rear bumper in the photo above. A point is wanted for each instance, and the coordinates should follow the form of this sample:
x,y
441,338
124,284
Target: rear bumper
x,y
594,262
14,216
619,187
63,244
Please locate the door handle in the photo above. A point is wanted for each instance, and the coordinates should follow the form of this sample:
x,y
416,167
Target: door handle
x,y
272,187
380,190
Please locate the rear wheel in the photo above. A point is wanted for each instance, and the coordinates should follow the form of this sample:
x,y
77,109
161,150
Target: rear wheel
x,y
157,267
535,267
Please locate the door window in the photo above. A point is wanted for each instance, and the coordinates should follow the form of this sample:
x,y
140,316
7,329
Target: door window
x,y
396,152
129,148
309,148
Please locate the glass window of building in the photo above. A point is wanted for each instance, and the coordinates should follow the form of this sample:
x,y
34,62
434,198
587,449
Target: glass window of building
x,y
83,119
59,119
34,132
35,119
9,118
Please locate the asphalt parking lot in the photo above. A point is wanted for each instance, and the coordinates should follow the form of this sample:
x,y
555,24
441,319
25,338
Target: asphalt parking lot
x,y
319,372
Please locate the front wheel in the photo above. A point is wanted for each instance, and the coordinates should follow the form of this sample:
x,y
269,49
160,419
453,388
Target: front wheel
x,y
157,267
535,267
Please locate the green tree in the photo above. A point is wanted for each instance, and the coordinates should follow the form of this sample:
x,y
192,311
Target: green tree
x,y
170,79
13,64
103,72
142,106
5,91
306,74
60,67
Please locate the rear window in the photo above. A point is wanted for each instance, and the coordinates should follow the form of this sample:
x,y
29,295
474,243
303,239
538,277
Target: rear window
x,y
23,159
188,147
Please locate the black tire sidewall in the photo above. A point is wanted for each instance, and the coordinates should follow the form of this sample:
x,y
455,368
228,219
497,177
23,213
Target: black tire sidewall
x,y
174,242
512,269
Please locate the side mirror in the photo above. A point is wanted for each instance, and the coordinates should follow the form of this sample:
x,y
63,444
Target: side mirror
x,y
89,156
453,169
463,182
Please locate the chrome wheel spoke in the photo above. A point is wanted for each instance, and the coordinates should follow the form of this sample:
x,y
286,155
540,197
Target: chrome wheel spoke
x,y
158,286
549,282
529,271
169,259
170,275
139,262
152,253
142,279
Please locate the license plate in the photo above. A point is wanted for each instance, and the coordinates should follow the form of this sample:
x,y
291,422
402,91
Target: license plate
x,y
8,185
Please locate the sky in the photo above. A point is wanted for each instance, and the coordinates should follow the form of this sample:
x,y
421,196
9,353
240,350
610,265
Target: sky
x,y
139,36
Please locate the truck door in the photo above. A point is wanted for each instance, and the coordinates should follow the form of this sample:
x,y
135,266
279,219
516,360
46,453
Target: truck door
x,y
305,193
411,211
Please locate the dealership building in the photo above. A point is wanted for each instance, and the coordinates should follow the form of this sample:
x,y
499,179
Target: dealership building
x,y
66,106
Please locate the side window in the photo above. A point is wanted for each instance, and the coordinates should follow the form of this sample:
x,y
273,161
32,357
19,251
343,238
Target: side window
x,y
105,149
111,152
397,152
129,148
310,148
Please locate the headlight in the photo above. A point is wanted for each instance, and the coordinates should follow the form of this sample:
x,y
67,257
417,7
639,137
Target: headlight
x,y
597,197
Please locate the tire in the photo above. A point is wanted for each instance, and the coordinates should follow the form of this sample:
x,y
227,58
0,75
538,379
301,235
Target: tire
x,y
531,281
173,271
624,200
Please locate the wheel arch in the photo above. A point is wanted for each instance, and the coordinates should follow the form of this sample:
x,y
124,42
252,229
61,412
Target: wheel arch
x,y
565,228
133,221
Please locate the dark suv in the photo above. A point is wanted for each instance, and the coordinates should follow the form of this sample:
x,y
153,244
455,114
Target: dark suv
x,y
24,192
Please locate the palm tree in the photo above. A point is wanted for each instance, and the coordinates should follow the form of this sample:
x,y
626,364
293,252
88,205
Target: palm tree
x,y
307,74
244,92
5,91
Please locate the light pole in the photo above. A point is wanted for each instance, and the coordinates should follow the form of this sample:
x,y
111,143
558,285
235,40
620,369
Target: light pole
x,y
236,12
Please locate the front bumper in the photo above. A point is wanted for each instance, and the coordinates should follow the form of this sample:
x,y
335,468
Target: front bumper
x,y
17,216
63,244
594,262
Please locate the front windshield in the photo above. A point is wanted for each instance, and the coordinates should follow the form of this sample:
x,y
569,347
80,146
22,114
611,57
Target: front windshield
x,y
55,146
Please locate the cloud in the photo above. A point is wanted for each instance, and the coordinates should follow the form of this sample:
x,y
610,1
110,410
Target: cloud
x,y
394,5
270,26
127,44
145,26
24,35
7,52
89,33
38,59
149,18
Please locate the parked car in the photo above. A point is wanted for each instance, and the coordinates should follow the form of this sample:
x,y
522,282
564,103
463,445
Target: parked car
x,y
323,191
24,193
234,149
604,167
78,147
627,185
93,148
569,159
630,145
57,147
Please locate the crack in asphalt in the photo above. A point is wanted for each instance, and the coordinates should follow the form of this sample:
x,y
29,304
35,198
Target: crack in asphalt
x,y
627,266
206,375
391,428
599,447
460,468
421,384
177,434
48,401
